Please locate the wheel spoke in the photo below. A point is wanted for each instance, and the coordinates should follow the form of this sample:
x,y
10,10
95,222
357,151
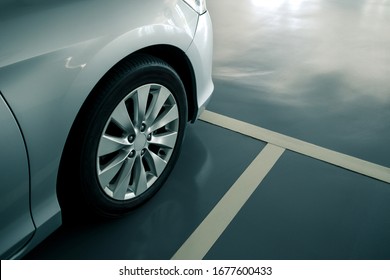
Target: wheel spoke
x,y
157,103
140,178
122,118
123,179
109,144
114,163
166,140
169,116
142,100
156,164
108,173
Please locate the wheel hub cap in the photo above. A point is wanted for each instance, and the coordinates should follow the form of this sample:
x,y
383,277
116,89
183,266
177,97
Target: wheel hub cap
x,y
140,142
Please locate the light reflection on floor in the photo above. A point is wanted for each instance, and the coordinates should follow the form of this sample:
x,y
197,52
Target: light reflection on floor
x,y
315,70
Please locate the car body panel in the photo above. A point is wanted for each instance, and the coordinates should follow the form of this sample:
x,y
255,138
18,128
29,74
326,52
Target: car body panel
x,y
201,54
52,55
15,215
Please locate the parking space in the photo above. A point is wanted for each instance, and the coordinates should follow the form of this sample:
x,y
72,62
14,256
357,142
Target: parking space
x,y
291,160
212,159
264,202
307,209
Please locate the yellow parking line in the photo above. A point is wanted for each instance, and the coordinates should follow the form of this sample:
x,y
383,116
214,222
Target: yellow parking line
x,y
348,162
207,233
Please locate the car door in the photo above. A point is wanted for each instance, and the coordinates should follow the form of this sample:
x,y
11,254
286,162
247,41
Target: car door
x,y
16,225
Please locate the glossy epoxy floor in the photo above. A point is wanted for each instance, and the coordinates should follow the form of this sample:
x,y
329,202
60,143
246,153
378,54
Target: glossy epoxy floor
x,y
314,70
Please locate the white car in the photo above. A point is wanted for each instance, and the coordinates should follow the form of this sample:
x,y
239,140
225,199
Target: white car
x,y
94,100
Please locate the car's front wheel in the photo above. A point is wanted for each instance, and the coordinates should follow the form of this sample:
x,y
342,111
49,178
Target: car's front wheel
x,y
127,137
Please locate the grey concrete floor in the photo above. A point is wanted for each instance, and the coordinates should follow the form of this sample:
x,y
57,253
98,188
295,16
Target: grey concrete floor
x,y
314,70
317,70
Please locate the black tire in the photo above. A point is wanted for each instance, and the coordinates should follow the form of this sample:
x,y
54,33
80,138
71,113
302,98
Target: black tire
x,y
110,180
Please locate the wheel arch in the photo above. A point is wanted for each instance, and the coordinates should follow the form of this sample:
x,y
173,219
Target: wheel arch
x,y
174,57
179,61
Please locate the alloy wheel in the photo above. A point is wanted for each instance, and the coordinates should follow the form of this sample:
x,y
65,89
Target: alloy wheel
x,y
137,141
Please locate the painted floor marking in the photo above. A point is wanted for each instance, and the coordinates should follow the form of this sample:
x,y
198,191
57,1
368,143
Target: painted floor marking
x,y
342,160
208,232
